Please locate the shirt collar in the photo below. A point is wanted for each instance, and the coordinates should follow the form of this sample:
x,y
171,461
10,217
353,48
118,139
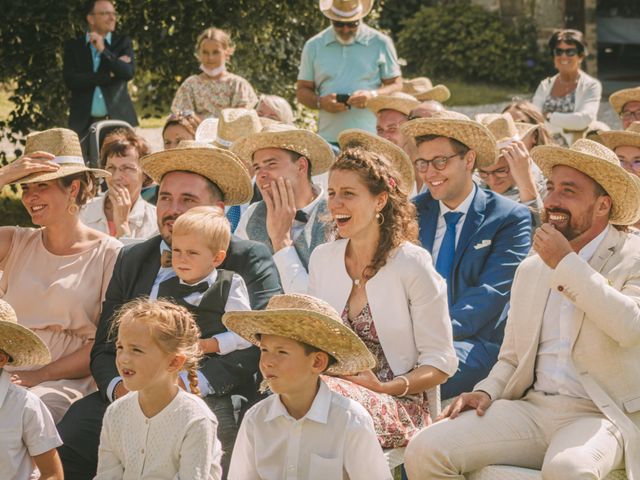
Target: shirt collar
x,y
107,38
363,36
5,383
463,207
590,248
319,193
319,411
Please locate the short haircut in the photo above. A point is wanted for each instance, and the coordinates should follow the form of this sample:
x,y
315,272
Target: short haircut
x,y
209,223
214,190
458,147
309,349
294,156
117,142
91,4
572,37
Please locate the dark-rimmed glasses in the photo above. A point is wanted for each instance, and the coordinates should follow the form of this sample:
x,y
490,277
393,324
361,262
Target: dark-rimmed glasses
x,y
338,24
439,163
498,173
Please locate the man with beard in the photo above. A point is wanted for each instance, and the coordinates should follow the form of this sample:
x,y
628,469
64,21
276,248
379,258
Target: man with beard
x,y
188,177
344,66
564,395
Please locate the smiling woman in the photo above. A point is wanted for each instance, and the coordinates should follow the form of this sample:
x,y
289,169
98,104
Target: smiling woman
x,y
55,276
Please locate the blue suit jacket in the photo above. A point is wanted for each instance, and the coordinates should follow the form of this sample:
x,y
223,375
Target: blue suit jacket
x,y
495,238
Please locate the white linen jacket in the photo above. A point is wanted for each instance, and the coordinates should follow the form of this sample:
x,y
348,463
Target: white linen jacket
x,y
408,302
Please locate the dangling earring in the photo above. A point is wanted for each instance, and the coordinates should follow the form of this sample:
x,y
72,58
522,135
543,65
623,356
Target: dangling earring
x,y
379,218
73,208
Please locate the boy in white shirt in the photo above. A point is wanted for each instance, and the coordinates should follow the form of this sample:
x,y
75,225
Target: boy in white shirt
x,y
29,436
304,430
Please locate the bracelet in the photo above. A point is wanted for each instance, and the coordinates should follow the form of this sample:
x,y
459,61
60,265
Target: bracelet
x,y
407,384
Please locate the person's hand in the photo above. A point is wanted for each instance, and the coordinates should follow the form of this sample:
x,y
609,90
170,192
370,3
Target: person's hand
x,y
121,207
125,58
551,245
29,378
281,211
33,163
478,401
359,98
519,160
366,379
97,41
120,390
209,345
329,104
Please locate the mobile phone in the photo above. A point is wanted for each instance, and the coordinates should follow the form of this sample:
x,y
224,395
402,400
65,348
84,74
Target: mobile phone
x,y
342,97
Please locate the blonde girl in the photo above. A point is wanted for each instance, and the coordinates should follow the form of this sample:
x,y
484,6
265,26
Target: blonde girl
x,y
214,88
158,430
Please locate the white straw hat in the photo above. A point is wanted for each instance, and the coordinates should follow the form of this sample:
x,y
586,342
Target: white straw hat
x,y
401,102
422,89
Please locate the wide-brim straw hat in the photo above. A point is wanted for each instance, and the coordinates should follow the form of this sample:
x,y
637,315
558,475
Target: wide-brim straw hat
x,y
621,97
503,128
459,127
220,166
618,138
346,10
23,346
422,89
207,131
401,102
602,165
65,146
397,156
308,320
235,123
287,137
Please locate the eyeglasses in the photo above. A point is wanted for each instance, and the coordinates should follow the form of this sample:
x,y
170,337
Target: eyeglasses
x,y
338,24
569,52
128,170
498,173
439,163
627,114
105,14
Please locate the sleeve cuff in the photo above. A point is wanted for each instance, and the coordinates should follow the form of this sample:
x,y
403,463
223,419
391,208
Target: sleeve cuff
x,y
112,386
230,342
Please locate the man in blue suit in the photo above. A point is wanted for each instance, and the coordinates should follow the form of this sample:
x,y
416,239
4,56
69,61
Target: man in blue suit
x,y
477,238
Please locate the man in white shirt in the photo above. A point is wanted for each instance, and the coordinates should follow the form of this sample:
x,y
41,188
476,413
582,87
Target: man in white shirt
x,y
289,218
563,396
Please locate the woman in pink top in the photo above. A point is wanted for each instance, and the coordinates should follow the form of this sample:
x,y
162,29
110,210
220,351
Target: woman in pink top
x,y
55,276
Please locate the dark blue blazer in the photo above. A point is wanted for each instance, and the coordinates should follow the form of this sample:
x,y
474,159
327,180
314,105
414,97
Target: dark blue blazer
x,y
495,238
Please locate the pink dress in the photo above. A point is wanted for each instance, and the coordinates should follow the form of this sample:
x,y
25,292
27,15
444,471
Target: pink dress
x,y
396,419
60,298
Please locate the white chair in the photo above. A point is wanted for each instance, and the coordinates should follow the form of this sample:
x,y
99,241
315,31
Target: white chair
x,y
504,472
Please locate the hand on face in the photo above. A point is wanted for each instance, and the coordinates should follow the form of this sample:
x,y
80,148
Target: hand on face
x,y
281,211
551,245
33,163
121,205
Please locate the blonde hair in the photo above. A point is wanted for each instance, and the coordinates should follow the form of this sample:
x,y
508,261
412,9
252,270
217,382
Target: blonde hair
x,y
207,222
217,35
171,326
278,105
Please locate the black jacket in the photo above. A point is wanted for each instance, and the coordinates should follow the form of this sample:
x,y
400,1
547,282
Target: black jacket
x,y
111,77
133,276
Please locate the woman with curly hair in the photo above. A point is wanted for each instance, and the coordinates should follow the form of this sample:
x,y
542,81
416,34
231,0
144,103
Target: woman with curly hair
x,y
389,293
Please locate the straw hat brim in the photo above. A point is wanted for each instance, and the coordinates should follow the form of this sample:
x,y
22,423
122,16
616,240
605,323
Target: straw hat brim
x,y
525,129
304,142
24,346
472,134
621,97
367,5
439,93
389,102
621,186
309,327
618,138
65,170
396,155
215,164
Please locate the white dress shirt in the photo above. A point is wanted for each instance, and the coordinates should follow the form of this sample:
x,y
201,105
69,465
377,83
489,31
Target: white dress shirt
x,y
180,442
441,229
26,429
555,371
334,440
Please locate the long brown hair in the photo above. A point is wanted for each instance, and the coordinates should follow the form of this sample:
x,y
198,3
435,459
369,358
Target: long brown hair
x,y
399,214
534,117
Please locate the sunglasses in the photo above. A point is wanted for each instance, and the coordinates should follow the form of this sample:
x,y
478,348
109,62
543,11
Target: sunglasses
x,y
569,52
338,24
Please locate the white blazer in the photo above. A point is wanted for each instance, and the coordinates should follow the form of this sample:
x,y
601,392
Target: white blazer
x,y
408,302
588,94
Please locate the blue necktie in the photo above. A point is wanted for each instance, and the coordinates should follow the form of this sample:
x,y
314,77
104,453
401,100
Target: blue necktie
x,y
233,215
444,264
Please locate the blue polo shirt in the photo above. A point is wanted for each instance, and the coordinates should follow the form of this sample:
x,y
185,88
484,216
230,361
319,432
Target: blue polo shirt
x,y
337,68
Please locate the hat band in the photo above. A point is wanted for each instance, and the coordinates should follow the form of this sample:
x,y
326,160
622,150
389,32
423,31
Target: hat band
x,y
68,159
223,142
506,143
343,13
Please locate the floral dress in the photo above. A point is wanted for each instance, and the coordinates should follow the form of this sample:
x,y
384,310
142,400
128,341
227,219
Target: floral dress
x,y
564,104
396,419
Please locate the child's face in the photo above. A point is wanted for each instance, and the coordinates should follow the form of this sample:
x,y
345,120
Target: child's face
x,y
287,367
141,362
192,258
211,54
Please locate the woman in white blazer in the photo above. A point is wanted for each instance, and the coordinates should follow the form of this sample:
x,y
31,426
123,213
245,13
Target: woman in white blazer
x,y
570,99
389,293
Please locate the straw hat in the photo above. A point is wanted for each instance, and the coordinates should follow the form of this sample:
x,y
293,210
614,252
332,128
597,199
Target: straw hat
x,y
64,144
621,97
459,127
216,164
287,137
235,123
401,102
24,346
309,320
345,10
603,166
207,130
422,89
396,155
618,138
503,128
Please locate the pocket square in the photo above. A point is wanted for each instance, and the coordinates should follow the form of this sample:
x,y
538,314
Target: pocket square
x,y
482,244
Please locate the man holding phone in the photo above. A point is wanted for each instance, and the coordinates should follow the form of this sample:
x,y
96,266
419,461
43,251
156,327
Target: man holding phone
x,y
344,66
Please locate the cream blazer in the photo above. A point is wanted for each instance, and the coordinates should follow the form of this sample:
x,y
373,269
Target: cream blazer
x,y
408,302
605,332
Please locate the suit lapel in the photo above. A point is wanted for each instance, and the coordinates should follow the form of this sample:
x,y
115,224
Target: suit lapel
x,y
428,211
533,315
149,268
475,217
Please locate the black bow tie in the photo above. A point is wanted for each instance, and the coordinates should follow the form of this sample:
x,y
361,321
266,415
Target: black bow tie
x,y
302,216
180,290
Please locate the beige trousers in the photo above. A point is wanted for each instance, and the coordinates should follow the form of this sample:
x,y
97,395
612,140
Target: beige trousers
x,y
565,437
